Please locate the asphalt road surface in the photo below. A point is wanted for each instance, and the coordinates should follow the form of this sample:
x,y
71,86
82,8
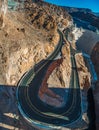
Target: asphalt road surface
x,y
43,115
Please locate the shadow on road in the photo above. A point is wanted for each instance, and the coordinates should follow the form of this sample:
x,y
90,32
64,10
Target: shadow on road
x,y
9,114
91,110
10,118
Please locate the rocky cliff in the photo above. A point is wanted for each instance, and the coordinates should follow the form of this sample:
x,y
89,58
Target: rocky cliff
x,y
60,76
28,36
47,16
84,14
83,72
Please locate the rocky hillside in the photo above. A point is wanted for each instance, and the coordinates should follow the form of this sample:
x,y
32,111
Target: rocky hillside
x,y
30,37
84,16
27,37
47,16
59,79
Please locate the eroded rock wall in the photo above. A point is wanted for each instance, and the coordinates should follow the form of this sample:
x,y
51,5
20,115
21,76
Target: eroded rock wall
x,y
83,72
29,35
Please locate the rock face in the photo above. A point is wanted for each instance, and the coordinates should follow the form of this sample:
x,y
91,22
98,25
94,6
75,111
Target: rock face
x,y
19,50
84,74
84,14
60,77
28,38
1,21
45,93
57,76
48,16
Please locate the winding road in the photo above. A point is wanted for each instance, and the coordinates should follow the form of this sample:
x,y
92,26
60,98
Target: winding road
x,y
43,115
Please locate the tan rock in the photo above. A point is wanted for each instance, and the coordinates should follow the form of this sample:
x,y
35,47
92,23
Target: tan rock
x,y
21,47
1,21
60,77
84,74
